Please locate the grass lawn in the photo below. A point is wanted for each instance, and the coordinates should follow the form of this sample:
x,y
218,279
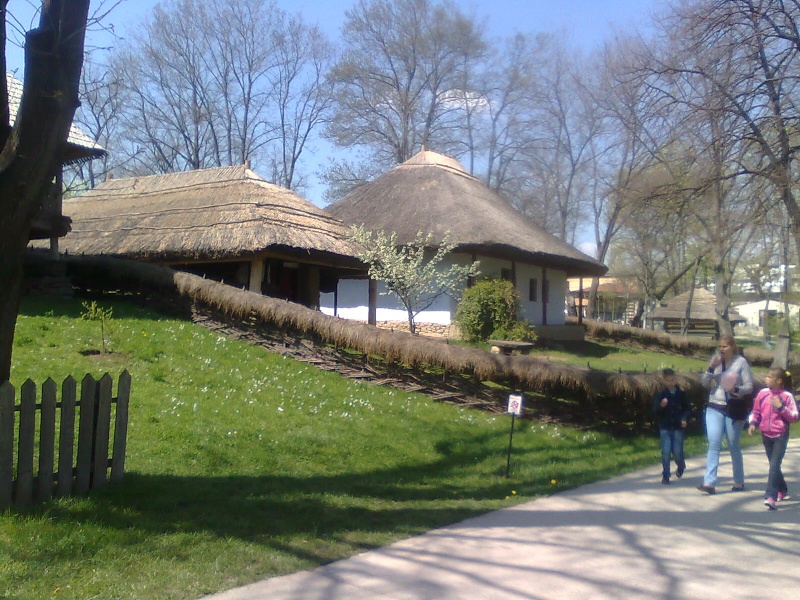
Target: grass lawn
x,y
243,465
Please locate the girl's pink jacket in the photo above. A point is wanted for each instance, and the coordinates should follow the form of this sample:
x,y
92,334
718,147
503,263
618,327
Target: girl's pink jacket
x,y
772,421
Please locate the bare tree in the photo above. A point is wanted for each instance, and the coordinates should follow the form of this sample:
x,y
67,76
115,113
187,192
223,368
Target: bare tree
x,y
222,82
394,82
300,91
559,155
760,88
98,116
31,148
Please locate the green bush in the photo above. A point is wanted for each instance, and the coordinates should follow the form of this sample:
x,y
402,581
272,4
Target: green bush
x,y
518,331
487,307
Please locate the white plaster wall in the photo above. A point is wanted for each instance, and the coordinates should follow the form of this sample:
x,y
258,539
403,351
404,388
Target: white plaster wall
x,y
531,311
354,304
354,296
750,311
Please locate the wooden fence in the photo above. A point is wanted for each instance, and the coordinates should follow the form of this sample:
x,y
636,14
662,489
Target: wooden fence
x,y
78,463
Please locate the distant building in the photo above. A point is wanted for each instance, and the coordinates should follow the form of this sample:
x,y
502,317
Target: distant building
x,y
616,299
702,315
756,314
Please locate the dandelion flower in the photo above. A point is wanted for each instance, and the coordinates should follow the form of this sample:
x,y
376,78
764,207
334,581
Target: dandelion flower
x,y
553,482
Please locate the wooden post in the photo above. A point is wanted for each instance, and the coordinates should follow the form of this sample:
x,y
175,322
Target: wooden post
x,y
101,432
256,275
372,310
7,401
47,439
545,295
121,427
66,436
23,494
85,435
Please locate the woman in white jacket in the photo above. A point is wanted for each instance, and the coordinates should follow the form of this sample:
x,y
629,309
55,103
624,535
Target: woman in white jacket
x,y
730,382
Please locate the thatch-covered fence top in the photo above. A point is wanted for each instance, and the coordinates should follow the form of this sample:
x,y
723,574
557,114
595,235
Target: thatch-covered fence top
x,y
703,308
205,214
433,193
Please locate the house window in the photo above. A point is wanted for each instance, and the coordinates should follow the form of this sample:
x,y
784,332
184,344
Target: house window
x,y
505,274
532,290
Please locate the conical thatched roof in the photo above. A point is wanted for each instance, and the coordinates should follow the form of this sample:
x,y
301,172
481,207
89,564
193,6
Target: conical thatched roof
x,y
703,308
208,214
433,193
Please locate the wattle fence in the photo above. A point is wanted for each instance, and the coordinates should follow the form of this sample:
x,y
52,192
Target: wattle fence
x,y
67,461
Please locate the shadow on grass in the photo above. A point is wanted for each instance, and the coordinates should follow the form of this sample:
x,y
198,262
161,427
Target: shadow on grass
x,y
123,306
366,509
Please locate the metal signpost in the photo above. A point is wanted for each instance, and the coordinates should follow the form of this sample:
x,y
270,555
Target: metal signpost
x,y
515,408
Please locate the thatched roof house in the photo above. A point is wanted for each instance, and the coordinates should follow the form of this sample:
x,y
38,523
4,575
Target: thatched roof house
x,y
702,315
433,193
49,222
226,223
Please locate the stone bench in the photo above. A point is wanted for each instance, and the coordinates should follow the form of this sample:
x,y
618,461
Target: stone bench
x,y
508,348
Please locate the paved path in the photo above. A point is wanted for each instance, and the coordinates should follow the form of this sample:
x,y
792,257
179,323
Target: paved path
x,y
628,537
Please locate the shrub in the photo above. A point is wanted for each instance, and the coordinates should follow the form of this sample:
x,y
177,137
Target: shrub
x,y
487,307
518,331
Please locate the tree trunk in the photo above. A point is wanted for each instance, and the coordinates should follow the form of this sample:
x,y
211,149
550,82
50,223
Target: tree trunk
x,y
11,276
412,326
31,152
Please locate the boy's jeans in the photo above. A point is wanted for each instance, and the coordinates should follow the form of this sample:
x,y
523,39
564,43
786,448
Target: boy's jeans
x,y
775,448
672,445
717,425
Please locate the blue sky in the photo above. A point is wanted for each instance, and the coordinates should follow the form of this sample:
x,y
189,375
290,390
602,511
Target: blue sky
x,y
587,23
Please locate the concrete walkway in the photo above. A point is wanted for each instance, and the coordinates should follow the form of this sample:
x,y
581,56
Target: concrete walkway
x,y
628,537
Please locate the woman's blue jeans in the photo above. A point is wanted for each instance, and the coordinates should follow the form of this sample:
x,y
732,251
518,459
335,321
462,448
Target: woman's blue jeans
x,y
775,448
717,425
671,445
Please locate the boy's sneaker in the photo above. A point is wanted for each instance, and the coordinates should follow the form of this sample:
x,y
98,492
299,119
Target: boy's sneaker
x,y
679,473
770,503
665,480
782,496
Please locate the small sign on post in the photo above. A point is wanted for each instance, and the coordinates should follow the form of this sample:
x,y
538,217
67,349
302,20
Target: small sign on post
x,y
515,408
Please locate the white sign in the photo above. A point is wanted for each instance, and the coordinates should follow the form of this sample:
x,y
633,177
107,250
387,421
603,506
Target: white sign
x,y
515,404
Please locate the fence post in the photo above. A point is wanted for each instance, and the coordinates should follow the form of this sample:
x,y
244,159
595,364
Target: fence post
x,y
23,494
101,431
85,434
7,401
47,440
121,427
66,439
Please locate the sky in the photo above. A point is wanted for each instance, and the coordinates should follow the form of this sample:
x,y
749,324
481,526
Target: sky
x,y
586,23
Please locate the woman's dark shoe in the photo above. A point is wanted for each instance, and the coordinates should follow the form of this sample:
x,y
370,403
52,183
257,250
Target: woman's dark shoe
x,y
738,488
707,489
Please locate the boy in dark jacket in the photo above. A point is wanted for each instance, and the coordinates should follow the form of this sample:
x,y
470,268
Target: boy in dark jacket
x,y
672,410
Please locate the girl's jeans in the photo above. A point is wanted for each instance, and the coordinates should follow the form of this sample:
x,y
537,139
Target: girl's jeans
x,y
717,425
776,448
672,445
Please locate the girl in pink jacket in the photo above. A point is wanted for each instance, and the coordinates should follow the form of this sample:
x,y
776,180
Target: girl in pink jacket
x,y
773,409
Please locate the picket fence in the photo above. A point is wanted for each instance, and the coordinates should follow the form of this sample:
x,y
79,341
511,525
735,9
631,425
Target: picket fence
x,y
83,461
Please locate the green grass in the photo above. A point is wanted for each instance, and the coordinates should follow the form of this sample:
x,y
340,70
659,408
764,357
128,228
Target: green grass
x,y
243,464
607,357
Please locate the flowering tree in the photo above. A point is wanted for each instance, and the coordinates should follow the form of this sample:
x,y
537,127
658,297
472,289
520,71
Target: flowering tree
x,y
416,273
